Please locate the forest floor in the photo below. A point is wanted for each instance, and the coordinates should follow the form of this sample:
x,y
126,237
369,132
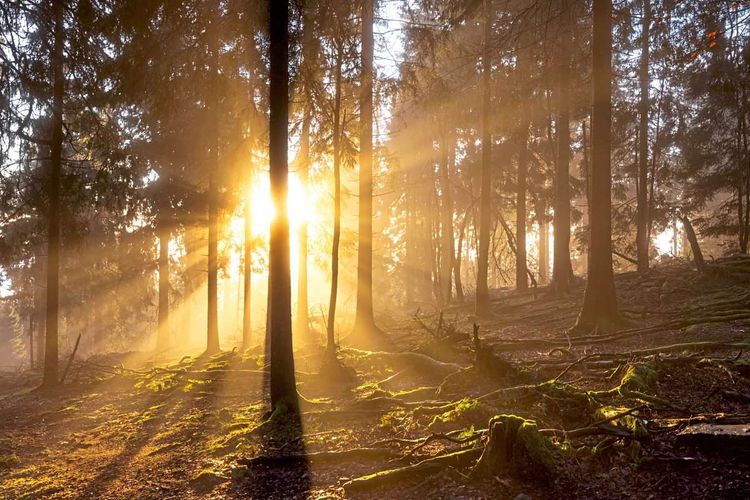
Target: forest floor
x,y
124,427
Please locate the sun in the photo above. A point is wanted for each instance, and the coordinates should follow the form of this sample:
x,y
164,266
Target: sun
x,y
263,211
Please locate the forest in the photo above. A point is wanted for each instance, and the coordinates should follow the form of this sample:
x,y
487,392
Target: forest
x,y
374,249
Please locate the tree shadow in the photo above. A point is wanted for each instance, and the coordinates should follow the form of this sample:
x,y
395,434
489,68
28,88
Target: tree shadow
x,y
170,407
280,435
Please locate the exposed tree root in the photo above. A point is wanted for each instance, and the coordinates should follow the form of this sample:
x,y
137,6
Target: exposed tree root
x,y
433,465
417,361
320,456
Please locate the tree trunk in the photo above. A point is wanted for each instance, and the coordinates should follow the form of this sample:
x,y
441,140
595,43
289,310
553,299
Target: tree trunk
x,y
695,247
446,222
543,245
283,388
365,321
330,327
523,70
482,304
309,62
50,377
162,335
561,268
642,236
457,260
247,291
212,320
599,308
31,339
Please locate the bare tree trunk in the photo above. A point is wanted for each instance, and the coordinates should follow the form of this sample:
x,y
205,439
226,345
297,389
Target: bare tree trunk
x,y
247,291
695,247
212,334
523,70
599,308
364,322
482,305
457,260
561,268
330,327
162,335
642,236
543,245
50,377
283,387
31,339
309,62
446,222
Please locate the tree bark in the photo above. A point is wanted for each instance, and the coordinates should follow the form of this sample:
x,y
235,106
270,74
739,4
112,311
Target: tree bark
x,y
283,388
212,333
50,376
561,269
330,327
523,70
247,291
365,321
31,339
642,236
457,260
599,308
543,245
695,247
482,304
309,61
446,222
162,335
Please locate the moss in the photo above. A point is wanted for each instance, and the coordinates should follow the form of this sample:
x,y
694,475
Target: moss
x,y
217,365
631,422
206,480
158,382
418,393
571,403
516,447
31,482
9,461
392,420
466,412
639,377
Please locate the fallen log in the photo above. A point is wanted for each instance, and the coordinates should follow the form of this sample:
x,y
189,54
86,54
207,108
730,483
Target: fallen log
x,y
414,360
320,456
433,465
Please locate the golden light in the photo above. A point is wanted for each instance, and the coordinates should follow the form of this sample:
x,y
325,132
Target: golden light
x,y
262,210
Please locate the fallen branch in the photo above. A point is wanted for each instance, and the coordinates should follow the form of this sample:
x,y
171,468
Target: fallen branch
x,y
70,359
320,456
433,465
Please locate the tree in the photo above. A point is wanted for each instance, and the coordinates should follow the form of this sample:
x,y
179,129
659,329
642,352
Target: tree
x,y
599,308
212,333
50,377
308,74
283,388
482,305
164,233
643,236
330,327
364,322
523,70
561,268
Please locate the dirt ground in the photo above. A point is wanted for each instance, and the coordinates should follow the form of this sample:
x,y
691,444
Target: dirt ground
x,y
123,426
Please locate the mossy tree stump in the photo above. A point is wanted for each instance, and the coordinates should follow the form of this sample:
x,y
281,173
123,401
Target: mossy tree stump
x,y
516,448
